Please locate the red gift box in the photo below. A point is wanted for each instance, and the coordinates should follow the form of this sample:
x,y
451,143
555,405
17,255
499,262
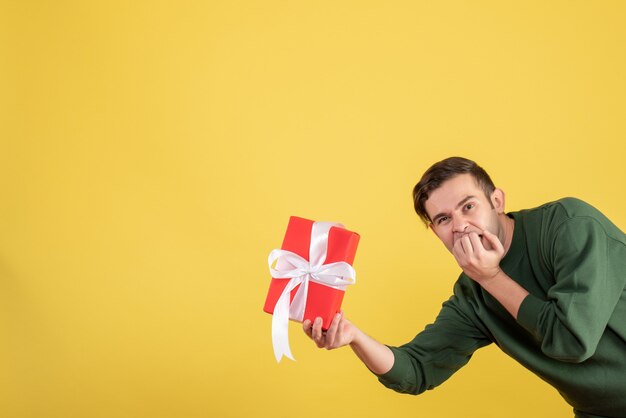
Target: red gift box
x,y
323,301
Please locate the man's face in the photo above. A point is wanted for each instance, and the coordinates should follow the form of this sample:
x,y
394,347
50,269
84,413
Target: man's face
x,y
459,206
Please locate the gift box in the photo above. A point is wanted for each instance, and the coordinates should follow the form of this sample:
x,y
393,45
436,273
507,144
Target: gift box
x,y
317,256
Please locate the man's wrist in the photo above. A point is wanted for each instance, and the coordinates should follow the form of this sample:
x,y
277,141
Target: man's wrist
x,y
496,275
357,338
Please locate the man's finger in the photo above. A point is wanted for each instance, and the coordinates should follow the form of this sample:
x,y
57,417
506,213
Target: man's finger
x,y
477,245
331,333
467,244
493,240
458,246
316,330
457,250
307,326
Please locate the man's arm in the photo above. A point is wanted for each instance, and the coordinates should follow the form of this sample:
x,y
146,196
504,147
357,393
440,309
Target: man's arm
x,y
376,356
588,260
425,362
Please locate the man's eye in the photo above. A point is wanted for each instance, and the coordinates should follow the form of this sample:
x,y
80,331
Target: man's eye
x,y
469,206
442,220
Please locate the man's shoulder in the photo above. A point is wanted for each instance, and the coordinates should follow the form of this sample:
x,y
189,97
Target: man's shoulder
x,y
574,206
571,213
567,207
551,216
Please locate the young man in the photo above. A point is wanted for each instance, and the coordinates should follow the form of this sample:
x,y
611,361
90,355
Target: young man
x,y
546,284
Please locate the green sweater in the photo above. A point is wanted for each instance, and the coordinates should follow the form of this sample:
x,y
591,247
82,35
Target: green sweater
x,y
570,330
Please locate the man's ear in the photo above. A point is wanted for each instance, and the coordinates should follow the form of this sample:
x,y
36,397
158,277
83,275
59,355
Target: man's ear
x,y
432,228
497,200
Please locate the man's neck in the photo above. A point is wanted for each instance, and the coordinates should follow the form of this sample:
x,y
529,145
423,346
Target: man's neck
x,y
508,226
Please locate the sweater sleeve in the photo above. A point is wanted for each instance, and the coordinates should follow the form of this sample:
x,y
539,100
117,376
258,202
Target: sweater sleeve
x,y
588,285
436,353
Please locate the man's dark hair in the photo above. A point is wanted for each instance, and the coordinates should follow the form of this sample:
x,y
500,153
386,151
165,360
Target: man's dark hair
x,y
445,170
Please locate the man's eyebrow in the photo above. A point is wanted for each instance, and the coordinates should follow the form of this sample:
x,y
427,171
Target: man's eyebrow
x,y
458,205
462,202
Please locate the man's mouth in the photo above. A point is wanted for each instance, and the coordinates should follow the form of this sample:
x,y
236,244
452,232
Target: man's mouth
x,y
467,233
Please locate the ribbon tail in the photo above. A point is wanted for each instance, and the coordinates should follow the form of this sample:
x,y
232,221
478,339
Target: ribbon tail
x,y
298,304
280,338
280,323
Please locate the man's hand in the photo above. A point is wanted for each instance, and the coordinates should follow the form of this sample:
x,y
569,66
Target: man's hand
x,y
340,333
479,263
376,356
483,266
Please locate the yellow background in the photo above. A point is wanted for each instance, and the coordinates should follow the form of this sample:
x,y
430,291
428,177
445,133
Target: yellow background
x,y
151,153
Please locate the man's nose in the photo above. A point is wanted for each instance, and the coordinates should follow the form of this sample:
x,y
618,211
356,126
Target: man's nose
x,y
460,225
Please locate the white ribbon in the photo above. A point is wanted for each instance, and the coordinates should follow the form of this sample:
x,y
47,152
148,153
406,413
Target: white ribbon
x,y
290,266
